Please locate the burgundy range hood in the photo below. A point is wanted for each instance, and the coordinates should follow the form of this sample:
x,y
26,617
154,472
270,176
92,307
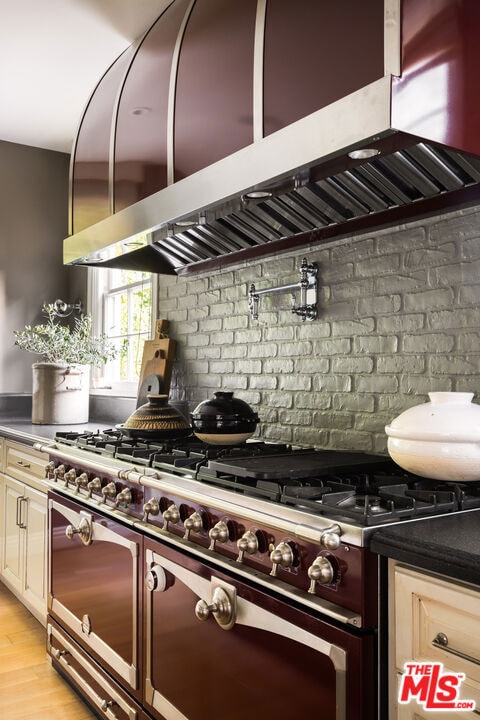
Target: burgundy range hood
x,y
234,130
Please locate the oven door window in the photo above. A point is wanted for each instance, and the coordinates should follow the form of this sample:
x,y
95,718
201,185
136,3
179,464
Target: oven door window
x,y
272,661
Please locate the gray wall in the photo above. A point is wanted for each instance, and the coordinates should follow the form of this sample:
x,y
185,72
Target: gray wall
x,y
399,317
33,224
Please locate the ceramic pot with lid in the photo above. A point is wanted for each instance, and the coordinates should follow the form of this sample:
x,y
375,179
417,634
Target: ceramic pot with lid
x,y
156,419
224,420
439,439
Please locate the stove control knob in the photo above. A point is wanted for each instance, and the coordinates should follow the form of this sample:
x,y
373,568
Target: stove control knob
x,y
108,491
95,485
248,543
50,470
81,481
281,556
218,533
59,473
70,476
193,522
321,571
171,515
151,507
330,537
124,497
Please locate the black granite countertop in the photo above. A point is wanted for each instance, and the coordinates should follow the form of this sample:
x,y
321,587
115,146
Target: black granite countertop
x,y
447,544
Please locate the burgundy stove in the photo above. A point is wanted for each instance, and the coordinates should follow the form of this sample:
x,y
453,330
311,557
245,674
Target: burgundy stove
x,y
264,540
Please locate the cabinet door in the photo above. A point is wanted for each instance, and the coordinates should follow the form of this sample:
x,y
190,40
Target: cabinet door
x,y
35,549
425,608
12,562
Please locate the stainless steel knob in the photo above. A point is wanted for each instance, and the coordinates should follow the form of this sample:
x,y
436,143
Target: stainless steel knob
x,y
108,491
124,497
248,543
321,571
223,608
84,531
95,485
81,481
193,522
330,537
105,704
69,476
219,533
152,507
281,556
171,516
59,472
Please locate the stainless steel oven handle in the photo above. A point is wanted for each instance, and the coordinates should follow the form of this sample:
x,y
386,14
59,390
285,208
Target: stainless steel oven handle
x,y
441,641
223,607
84,531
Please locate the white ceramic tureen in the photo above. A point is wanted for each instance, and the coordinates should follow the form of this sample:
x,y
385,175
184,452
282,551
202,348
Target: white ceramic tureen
x,y
439,439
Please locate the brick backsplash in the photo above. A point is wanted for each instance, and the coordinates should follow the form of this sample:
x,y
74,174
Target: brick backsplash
x,y
399,317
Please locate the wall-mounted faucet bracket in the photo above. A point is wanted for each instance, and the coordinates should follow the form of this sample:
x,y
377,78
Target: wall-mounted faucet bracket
x,y
308,284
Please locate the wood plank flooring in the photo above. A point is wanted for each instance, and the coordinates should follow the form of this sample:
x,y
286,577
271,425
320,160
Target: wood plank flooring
x,y
29,687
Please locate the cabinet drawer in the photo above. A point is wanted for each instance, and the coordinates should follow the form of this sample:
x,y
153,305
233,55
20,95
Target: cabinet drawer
x,y
26,464
414,711
438,621
96,687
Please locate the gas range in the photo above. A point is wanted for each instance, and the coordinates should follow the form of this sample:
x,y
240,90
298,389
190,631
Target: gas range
x,y
293,521
358,489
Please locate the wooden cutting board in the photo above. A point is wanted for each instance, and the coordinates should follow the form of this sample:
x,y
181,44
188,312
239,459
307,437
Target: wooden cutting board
x,y
158,357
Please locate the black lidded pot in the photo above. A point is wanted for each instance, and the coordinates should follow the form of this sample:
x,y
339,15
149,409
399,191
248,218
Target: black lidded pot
x,y
224,420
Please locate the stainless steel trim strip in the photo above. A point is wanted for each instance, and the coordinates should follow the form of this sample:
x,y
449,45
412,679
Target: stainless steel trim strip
x,y
392,44
258,56
171,96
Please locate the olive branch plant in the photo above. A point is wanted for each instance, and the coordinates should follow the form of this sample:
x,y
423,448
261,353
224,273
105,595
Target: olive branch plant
x,y
65,344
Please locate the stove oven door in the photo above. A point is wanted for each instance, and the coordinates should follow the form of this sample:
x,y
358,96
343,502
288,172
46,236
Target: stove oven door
x,y
94,586
217,647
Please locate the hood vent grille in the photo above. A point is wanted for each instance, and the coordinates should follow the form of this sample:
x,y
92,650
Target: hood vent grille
x,y
381,184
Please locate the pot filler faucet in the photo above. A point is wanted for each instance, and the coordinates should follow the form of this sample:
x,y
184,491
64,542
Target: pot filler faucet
x,y
308,284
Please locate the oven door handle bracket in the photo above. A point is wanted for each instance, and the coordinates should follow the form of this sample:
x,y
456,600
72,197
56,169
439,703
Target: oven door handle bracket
x,y
308,286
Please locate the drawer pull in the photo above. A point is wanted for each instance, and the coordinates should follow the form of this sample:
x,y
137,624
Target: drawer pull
x,y
441,641
23,464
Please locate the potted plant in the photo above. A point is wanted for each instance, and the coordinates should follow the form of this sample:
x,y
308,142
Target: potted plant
x,y
60,392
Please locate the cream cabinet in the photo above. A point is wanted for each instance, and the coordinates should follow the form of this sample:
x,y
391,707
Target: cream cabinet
x,y
433,620
24,525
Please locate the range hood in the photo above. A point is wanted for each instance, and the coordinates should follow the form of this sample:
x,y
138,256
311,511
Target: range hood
x,y
403,146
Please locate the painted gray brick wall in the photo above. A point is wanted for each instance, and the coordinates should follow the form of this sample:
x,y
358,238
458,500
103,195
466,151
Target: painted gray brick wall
x,y
399,317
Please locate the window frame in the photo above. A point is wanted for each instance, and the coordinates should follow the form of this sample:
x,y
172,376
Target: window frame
x,y
95,307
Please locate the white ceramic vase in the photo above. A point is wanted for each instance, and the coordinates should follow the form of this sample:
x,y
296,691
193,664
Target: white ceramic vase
x,y
439,439
60,394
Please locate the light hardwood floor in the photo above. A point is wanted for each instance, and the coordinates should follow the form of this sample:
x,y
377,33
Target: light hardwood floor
x,y
29,687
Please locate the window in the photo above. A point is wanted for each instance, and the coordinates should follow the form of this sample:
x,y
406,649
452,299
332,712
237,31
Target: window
x,y
123,300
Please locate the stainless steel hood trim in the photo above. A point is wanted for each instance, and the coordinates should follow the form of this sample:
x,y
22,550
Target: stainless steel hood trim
x,y
358,119
258,51
171,95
